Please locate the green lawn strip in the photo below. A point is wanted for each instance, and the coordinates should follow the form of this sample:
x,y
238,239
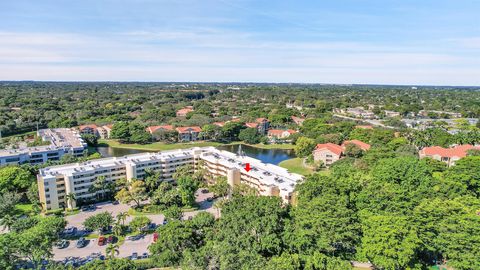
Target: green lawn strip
x,y
295,165
24,208
158,146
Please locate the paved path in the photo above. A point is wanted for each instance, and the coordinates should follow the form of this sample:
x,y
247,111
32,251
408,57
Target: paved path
x,y
128,247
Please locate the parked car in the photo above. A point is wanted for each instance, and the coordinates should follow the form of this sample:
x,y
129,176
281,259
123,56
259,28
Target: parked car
x,y
134,256
136,237
101,240
205,191
149,227
155,237
69,230
111,239
144,255
209,199
164,222
82,242
115,202
62,244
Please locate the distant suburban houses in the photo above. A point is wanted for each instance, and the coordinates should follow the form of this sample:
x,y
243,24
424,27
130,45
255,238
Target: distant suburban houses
x,y
183,112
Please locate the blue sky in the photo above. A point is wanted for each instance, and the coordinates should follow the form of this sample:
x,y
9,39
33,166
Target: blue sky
x,y
355,41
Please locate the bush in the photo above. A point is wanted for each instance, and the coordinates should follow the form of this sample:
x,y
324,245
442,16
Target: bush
x,y
57,212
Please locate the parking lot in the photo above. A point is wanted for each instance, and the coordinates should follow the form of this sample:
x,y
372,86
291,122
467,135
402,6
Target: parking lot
x,y
129,246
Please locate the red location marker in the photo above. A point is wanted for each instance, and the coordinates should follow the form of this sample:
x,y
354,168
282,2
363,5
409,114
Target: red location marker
x,y
247,167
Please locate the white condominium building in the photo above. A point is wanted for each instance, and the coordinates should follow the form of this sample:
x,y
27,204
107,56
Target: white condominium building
x,y
57,181
62,141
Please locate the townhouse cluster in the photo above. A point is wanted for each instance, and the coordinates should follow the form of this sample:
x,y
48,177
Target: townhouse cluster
x,y
328,153
55,182
448,155
61,141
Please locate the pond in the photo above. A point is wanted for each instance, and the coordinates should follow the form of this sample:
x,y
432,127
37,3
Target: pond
x,y
273,156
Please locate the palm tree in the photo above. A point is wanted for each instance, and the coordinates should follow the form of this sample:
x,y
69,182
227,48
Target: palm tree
x,y
117,229
100,184
112,250
70,198
121,217
7,221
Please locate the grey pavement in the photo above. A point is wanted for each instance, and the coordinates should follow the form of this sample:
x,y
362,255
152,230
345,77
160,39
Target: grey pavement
x,y
128,247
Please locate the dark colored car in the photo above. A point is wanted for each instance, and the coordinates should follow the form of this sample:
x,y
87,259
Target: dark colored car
x,y
111,239
62,244
82,242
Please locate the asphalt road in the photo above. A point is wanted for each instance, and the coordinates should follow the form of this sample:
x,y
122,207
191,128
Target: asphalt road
x,y
128,247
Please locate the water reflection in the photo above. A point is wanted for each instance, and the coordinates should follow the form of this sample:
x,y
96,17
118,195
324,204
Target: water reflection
x,y
273,156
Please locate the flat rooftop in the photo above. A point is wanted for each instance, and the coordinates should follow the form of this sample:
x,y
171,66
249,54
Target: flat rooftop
x,y
59,138
269,174
91,165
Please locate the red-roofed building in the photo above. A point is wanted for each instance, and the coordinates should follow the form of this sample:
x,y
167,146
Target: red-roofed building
x,y
183,112
362,145
280,134
152,129
104,131
328,153
188,134
447,155
251,125
297,120
88,129
220,124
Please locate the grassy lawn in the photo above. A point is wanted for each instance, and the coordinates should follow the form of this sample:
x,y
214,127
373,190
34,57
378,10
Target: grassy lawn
x,y
157,146
295,165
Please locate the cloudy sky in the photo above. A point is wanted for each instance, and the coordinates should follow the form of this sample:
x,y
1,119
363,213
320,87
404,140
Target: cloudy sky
x,y
330,41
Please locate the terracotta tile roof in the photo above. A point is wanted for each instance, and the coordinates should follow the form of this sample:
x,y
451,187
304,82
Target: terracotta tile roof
x,y
297,120
251,125
220,124
279,132
261,119
336,149
362,145
184,111
108,126
152,129
92,126
276,132
188,129
459,151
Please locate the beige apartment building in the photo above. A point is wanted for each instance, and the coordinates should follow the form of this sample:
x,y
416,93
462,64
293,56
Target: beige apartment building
x,y
56,182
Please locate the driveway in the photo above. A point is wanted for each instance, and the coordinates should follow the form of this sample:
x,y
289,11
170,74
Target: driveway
x,y
128,247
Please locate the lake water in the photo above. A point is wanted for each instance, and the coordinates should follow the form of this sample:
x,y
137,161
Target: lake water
x,y
273,156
